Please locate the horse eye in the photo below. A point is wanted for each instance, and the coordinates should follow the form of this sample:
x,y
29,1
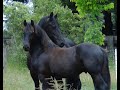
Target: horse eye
x,y
53,25
23,33
31,36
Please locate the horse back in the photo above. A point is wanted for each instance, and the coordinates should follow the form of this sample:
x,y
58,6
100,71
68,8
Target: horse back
x,y
91,55
89,50
63,52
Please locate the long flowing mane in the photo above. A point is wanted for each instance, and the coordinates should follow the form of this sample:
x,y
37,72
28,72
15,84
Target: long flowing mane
x,y
45,40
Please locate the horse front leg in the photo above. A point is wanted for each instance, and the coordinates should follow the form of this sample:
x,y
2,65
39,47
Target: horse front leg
x,y
45,82
99,83
36,80
60,82
77,83
73,83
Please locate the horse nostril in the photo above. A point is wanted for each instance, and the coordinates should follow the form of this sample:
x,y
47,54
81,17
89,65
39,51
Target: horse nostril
x,y
26,48
62,44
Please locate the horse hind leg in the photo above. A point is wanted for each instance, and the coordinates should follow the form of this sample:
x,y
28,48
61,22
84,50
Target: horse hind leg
x,y
99,83
106,73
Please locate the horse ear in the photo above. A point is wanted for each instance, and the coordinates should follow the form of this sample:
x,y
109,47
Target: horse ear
x,y
51,15
32,22
25,23
55,16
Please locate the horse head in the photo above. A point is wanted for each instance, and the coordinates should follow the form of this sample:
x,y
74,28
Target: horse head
x,y
51,27
29,33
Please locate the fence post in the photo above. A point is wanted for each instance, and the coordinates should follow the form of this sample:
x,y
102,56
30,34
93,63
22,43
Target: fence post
x,y
4,57
116,62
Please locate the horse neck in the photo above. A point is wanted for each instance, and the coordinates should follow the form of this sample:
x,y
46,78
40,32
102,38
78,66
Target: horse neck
x,y
46,41
35,47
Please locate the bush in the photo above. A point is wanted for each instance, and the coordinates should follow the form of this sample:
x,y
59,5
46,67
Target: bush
x,y
93,29
91,13
16,14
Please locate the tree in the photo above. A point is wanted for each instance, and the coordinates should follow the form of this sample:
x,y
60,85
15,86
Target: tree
x,y
16,13
91,13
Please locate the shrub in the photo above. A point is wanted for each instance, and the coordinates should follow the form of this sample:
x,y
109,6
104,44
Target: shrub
x,y
91,12
16,13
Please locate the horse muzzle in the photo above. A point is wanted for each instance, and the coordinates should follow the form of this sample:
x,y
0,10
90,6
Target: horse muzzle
x,y
26,47
62,44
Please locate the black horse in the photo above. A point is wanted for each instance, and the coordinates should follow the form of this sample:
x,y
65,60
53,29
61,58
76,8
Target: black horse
x,y
33,46
65,62
59,40
50,25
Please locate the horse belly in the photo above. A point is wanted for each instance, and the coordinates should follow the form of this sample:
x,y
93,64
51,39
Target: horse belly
x,y
63,73
40,65
64,68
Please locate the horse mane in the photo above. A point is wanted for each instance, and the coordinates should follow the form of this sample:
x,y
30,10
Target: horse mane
x,y
45,40
42,21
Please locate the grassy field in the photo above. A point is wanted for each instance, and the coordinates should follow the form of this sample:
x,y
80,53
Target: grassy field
x,y
16,78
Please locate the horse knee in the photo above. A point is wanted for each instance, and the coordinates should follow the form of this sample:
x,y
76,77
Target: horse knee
x,y
47,83
77,84
74,83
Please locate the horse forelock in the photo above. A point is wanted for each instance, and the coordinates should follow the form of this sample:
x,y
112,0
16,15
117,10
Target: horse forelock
x,y
29,27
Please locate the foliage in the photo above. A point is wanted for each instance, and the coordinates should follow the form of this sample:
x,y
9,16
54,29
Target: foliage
x,y
92,6
113,19
6,34
69,23
16,13
91,13
93,28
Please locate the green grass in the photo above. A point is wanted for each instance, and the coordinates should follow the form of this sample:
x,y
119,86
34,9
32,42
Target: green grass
x,y
16,78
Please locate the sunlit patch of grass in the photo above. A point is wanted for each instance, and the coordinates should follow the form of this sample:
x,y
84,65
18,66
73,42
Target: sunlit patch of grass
x,y
86,80
113,79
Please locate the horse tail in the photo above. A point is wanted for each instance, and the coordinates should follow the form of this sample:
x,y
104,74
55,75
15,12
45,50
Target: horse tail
x,y
105,70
